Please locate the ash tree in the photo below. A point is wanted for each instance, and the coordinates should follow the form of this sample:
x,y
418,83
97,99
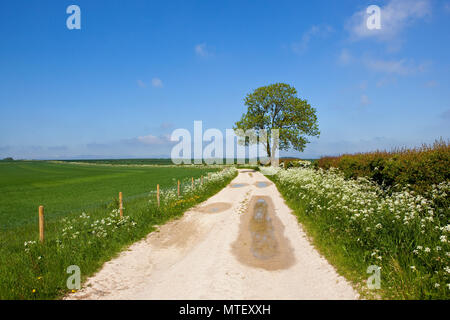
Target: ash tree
x,y
277,106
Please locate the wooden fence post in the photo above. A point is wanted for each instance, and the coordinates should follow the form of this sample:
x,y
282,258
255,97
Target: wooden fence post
x,y
192,182
121,204
41,224
178,187
157,194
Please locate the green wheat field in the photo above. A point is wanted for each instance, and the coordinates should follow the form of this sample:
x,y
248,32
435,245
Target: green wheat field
x,y
83,198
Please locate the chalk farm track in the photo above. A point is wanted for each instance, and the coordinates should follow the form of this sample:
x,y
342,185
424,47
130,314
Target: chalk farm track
x,y
243,243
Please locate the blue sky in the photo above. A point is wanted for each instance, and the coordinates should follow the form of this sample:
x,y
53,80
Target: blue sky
x,y
137,70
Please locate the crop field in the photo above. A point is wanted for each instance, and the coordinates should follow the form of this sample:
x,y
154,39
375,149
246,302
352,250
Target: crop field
x,y
81,211
65,188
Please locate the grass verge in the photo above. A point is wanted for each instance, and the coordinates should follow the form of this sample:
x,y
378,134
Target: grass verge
x,y
355,225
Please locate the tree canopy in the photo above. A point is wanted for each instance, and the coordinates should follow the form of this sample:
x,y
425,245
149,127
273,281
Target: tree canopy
x,y
277,106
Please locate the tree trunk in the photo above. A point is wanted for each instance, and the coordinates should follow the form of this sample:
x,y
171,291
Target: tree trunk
x,y
269,154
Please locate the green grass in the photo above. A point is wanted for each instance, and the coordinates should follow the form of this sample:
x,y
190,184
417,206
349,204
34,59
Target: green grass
x,y
64,188
67,190
338,253
354,224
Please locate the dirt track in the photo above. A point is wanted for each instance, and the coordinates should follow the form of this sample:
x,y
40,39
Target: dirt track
x,y
243,243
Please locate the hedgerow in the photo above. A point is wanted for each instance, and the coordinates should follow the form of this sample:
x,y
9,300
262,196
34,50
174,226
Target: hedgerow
x,y
418,168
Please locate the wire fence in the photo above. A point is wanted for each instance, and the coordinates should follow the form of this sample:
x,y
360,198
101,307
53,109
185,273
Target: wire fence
x,y
183,186
52,213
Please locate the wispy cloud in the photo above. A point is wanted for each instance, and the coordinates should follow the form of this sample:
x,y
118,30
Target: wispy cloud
x,y
447,7
166,125
314,31
157,83
141,84
154,140
364,100
445,115
345,57
396,15
151,145
386,81
202,50
33,151
363,85
402,67
431,84
399,67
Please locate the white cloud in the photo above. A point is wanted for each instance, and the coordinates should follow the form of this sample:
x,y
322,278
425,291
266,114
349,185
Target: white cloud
x,y
363,85
445,114
141,84
364,100
399,67
431,84
152,140
447,7
166,125
314,31
345,57
396,15
157,83
201,50
386,81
